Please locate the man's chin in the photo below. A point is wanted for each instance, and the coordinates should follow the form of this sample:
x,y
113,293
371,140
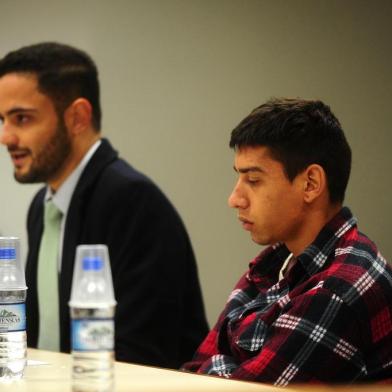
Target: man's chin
x,y
260,241
27,178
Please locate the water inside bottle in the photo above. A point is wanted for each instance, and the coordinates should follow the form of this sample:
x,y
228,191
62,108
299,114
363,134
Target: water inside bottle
x,y
92,349
13,346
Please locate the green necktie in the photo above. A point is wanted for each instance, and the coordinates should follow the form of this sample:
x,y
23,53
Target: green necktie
x,y
48,296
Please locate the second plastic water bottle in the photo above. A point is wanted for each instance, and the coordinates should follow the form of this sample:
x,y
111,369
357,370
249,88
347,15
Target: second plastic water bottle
x,y
92,307
12,311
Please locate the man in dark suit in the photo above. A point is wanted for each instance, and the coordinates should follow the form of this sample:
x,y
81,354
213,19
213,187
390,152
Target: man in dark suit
x,y
51,120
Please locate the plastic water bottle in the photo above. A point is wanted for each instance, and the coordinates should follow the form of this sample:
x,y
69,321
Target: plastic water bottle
x,y
13,347
92,307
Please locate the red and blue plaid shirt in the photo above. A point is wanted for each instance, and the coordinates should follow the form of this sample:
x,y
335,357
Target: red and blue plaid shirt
x,y
329,320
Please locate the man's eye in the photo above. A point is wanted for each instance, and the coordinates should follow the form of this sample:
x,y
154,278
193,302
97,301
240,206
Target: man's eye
x,y
22,119
253,181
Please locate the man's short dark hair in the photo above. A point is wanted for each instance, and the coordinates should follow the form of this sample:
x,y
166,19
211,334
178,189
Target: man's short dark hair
x,y
299,133
64,74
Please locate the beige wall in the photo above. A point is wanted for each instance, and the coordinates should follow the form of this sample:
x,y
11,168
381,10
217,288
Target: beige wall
x,y
177,76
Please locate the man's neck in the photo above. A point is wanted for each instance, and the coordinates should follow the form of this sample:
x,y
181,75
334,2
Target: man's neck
x,y
78,151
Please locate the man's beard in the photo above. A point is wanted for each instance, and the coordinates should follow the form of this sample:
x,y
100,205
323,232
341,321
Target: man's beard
x,y
49,159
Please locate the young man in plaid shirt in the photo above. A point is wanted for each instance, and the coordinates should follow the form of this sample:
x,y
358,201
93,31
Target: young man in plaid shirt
x,y
316,305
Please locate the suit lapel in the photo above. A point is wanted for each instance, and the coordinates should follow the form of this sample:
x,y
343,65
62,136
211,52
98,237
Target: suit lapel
x,y
34,228
74,227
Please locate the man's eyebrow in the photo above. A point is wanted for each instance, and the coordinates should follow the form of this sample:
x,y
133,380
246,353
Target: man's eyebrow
x,y
249,169
17,110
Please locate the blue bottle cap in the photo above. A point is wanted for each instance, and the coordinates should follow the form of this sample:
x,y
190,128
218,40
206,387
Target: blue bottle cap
x,y
7,254
92,263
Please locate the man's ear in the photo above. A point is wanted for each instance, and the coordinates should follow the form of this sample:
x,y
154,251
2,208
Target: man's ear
x,y
78,116
314,182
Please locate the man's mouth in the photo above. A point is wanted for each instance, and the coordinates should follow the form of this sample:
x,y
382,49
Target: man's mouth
x,y
246,224
18,157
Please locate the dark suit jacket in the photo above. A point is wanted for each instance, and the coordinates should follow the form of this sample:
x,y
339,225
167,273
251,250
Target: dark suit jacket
x,y
159,316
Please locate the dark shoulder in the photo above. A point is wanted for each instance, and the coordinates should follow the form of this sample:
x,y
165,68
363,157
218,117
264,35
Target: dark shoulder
x,y
121,173
121,184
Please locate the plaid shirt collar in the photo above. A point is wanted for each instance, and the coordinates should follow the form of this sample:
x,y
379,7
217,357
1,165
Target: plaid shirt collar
x,y
311,260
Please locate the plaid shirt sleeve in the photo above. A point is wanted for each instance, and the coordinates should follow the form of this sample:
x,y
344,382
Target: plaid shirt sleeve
x,y
208,350
314,340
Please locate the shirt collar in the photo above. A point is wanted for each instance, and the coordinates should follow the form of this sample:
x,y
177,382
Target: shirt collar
x,y
312,259
63,195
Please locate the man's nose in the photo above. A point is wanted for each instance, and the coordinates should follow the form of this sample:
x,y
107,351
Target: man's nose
x,y
7,137
237,199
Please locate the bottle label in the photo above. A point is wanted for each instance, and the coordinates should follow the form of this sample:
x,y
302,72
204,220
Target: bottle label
x,y
92,334
12,317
